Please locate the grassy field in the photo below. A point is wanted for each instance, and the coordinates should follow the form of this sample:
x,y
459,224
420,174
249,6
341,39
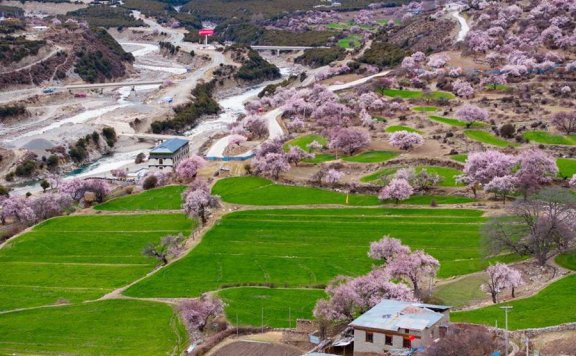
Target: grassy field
x,y
566,167
462,292
297,248
321,157
78,258
453,122
396,128
260,191
425,108
371,157
352,41
165,198
416,94
550,139
459,158
304,141
553,305
280,307
567,260
448,174
112,327
488,138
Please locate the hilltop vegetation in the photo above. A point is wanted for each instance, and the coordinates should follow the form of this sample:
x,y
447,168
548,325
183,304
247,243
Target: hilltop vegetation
x,y
106,16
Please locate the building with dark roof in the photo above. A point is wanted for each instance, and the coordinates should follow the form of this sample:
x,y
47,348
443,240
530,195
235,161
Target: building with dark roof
x,y
393,325
169,153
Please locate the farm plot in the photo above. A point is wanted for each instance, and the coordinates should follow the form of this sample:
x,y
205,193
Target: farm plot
x,y
488,138
259,191
165,198
447,174
110,327
308,247
552,306
277,306
78,258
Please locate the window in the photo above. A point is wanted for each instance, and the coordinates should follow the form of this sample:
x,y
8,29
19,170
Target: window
x,y
407,343
388,340
406,331
369,337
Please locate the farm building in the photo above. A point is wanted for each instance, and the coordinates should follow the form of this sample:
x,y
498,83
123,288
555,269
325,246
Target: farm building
x,y
169,153
394,325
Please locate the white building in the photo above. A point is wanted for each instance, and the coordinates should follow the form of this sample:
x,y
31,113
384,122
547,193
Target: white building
x,y
169,153
393,325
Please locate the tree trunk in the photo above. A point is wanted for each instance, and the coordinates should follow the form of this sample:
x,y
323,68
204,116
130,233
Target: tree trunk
x,y
494,297
513,290
164,260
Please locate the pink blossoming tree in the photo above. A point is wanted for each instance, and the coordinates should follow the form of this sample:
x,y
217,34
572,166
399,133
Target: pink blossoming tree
x,y
405,140
397,189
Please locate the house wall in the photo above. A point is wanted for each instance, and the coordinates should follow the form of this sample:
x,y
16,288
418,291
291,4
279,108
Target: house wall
x,y
378,346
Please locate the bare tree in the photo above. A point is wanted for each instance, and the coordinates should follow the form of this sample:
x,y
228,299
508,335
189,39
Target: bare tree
x,y
168,246
538,227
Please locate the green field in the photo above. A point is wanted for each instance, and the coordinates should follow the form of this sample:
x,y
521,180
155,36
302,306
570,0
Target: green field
x,y
396,128
111,327
448,174
321,157
425,108
550,139
453,122
352,41
488,138
77,258
251,190
459,158
566,167
551,306
462,292
165,198
567,260
296,248
416,94
304,141
280,307
371,157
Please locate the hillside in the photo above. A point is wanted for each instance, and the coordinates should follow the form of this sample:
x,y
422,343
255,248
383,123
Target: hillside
x,y
63,50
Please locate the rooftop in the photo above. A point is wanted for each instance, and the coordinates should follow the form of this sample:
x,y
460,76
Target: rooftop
x,y
393,315
169,146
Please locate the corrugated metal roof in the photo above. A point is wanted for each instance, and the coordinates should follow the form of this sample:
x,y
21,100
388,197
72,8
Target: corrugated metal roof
x,y
393,315
169,146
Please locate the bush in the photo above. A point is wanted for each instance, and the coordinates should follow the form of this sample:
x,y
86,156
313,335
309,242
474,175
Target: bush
x,y
257,69
7,111
187,115
110,136
150,182
507,131
26,168
318,57
383,55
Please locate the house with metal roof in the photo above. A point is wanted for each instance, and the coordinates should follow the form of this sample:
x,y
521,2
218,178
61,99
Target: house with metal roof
x,y
394,325
169,153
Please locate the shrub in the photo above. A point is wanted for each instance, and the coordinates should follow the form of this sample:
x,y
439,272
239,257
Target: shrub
x,y
150,182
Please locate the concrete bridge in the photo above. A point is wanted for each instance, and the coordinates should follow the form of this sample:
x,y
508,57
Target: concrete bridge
x,y
283,48
109,85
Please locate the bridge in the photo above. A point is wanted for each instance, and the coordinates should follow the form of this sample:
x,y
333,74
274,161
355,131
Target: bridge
x,y
151,136
109,85
283,48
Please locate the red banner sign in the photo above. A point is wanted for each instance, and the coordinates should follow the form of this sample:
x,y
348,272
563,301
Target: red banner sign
x,y
206,32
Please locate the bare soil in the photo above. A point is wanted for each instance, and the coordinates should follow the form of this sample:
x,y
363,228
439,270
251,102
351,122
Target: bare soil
x,y
256,348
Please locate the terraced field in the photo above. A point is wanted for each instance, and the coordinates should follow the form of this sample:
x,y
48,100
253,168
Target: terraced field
x,y
110,327
78,258
165,198
295,248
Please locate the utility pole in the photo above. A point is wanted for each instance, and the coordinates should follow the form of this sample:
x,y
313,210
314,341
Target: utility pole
x,y
506,309
289,318
237,326
262,320
527,345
